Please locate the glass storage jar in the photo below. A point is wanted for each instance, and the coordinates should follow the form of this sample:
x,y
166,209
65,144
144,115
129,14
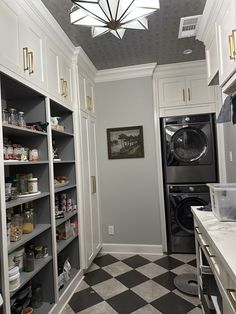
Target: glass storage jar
x,y
29,261
21,119
5,116
13,116
28,221
16,228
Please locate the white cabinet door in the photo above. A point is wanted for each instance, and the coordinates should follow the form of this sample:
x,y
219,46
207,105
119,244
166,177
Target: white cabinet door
x,y
11,55
66,75
53,69
226,25
91,218
197,90
212,59
172,92
33,38
82,93
94,187
86,189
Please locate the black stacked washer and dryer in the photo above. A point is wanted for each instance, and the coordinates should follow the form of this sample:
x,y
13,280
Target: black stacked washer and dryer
x,y
189,162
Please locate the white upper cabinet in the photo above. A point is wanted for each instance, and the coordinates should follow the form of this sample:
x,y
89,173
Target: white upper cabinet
x,y
226,29
66,80
59,74
33,52
10,52
53,69
182,91
197,90
212,58
22,43
86,94
172,92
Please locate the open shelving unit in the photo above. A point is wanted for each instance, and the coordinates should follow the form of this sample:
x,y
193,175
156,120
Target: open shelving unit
x,y
65,143
37,107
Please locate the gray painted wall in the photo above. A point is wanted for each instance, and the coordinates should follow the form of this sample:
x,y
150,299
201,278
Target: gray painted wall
x,y
128,187
230,146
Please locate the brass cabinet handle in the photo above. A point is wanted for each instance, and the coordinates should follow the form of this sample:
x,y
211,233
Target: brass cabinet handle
x,y
231,51
62,87
183,94
231,295
65,89
26,58
197,230
233,42
94,188
31,62
208,251
189,95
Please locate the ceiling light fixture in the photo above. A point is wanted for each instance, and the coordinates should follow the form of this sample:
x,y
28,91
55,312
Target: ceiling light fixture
x,y
113,16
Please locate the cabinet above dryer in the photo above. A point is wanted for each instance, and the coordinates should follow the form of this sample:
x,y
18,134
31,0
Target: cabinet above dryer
x,y
182,89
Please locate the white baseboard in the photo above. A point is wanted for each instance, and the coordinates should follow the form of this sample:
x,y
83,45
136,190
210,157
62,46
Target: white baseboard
x,y
132,249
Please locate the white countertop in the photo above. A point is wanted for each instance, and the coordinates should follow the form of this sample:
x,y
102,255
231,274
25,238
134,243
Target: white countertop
x,y
223,236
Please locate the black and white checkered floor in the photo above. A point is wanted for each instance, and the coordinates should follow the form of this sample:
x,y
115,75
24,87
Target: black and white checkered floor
x,y
134,284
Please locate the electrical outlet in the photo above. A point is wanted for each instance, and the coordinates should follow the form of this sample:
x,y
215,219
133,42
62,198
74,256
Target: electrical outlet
x,y
111,230
231,156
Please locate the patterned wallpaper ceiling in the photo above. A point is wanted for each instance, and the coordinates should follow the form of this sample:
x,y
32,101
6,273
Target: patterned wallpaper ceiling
x,y
158,44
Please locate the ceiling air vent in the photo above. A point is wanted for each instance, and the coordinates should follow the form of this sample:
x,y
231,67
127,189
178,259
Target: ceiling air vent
x,y
188,26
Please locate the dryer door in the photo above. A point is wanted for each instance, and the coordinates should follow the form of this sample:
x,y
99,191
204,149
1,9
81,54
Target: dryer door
x,y
183,214
189,144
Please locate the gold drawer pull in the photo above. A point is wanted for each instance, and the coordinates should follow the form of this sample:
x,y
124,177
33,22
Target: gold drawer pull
x,y
94,188
207,248
183,94
65,89
233,41
26,58
231,51
231,295
62,87
31,62
197,230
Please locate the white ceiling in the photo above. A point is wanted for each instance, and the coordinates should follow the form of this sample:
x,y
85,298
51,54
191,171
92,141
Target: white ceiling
x,y
158,44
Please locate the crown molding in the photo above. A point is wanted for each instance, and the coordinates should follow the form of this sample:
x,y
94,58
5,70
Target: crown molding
x,y
85,65
124,73
182,68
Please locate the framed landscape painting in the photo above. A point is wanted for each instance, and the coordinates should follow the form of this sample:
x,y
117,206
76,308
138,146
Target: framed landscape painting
x,y
125,142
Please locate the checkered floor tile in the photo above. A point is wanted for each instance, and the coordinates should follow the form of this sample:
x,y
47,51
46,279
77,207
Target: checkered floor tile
x,y
134,284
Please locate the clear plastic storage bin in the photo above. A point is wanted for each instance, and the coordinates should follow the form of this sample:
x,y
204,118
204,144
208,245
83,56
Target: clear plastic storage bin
x,y
223,200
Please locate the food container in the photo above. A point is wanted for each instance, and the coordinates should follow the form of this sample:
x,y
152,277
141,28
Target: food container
x,y
14,278
19,258
16,228
13,116
33,155
27,310
21,119
28,221
223,200
29,261
33,185
5,116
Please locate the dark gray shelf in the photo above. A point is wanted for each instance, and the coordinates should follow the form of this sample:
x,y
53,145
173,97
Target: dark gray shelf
x,y
25,277
63,161
44,308
63,188
27,237
9,129
19,163
73,273
61,244
61,133
24,200
67,216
